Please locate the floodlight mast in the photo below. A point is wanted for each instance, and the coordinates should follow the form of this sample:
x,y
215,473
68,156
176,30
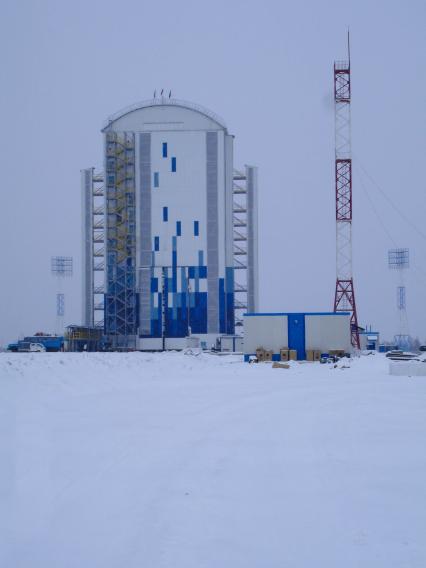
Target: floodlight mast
x,y
61,267
399,260
344,297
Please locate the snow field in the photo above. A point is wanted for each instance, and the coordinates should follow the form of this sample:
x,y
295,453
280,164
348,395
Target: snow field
x,y
170,460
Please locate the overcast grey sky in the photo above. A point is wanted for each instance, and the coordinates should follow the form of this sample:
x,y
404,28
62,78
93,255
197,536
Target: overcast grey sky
x,y
266,68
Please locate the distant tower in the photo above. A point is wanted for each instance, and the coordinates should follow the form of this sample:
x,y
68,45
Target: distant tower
x,y
398,259
344,298
61,267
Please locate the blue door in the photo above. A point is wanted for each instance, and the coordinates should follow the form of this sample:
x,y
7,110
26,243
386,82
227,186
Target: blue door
x,y
296,334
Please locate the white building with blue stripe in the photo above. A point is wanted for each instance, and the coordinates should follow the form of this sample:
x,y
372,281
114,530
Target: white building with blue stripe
x,y
169,226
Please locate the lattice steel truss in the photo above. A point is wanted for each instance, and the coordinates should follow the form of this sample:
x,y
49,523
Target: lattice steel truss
x,y
245,242
344,297
120,298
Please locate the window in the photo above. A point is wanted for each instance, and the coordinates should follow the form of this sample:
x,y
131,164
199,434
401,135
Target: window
x,y
165,214
164,149
157,243
173,164
156,179
196,229
178,228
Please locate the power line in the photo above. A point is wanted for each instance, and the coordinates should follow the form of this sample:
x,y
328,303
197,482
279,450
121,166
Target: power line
x,y
389,200
421,274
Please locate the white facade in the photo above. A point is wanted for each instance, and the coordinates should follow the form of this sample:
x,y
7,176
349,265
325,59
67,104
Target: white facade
x,y
328,333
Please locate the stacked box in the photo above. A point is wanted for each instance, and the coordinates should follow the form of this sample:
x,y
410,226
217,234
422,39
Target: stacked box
x,y
310,355
317,355
336,353
260,354
268,355
284,354
292,355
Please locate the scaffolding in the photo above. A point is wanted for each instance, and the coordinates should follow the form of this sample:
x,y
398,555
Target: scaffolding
x,y
245,242
93,247
120,293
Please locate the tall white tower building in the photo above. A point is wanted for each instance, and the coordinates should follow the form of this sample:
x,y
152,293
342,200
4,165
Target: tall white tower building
x,y
168,228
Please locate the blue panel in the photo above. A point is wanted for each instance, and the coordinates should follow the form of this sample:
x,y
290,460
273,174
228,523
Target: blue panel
x,y
200,258
191,272
222,305
275,357
174,270
230,300
198,312
156,243
174,308
178,228
305,314
196,229
173,164
202,271
296,334
165,214
183,281
164,149
156,179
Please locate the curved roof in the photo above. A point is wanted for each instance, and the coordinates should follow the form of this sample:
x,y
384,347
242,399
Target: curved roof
x,y
164,101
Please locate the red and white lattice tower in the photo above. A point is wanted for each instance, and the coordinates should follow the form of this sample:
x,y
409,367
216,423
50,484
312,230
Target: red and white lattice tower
x,y
344,299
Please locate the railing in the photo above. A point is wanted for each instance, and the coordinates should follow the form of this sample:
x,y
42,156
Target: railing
x,y
167,102
341,65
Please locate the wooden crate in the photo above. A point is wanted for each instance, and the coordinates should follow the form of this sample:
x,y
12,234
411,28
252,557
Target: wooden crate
x,y
284,354
268,355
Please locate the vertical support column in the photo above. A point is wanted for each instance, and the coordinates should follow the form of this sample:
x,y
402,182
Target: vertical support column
x,y
212,217
144,277
252,241
229,236
87,252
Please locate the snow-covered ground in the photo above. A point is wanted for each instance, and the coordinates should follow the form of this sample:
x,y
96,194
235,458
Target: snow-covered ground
x,y
170,460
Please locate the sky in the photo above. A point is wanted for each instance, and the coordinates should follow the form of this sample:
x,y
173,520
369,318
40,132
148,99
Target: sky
x,y
266,68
